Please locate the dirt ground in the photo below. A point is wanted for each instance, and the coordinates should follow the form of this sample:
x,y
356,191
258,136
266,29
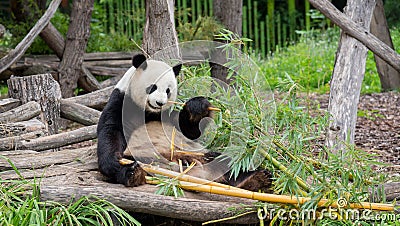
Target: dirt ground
x,y
378,126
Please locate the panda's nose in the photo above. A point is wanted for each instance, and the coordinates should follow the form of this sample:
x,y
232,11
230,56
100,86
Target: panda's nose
x,y
159,103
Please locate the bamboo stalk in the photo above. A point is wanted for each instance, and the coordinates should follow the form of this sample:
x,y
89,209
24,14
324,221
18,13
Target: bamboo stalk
x,y
307,14
292,19
273,198
187,178
262,27
192,7
244,19
198,10
111,15
269,41
271,21
205,13
172,146
210,4
278,32
129,22
185,13
256,34
250,19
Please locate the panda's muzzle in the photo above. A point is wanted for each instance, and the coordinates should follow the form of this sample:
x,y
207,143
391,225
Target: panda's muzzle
x,y
158,107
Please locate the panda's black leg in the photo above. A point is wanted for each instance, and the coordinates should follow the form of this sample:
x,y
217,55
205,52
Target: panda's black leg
x,y
131,175
258,180
191,114
111,144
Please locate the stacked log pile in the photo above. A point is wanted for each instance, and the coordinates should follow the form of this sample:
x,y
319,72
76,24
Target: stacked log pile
x,y
110,64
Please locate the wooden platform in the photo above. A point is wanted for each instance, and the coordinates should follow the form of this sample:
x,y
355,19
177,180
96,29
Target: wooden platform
x,y
69,174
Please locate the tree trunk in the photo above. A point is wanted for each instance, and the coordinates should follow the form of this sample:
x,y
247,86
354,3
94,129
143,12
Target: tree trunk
x,y
42,89
390,78
77,37
160,40
229,13
347,77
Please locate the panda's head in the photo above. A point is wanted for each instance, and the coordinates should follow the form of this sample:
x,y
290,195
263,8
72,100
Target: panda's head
x,y
151,83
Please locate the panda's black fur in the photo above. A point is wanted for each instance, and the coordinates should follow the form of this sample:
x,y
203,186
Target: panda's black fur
x,y
112,142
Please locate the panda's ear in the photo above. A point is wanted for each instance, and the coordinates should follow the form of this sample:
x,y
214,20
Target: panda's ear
x,y
138,60
177,69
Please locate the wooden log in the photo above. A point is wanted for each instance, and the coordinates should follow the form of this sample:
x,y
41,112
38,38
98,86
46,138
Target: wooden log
x,y
49,171
45,159
15,153
19,128
109,63
61,139
10,143
361,34
8,103
110,82
97,99
117,68
107,56
347,78
108,71
131,199
21,113
43,89
54,39
20,49
391,190
79,113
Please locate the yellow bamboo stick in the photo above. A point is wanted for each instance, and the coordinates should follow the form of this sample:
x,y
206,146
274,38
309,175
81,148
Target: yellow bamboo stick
x,y
197,184
187,178
172,146
273,198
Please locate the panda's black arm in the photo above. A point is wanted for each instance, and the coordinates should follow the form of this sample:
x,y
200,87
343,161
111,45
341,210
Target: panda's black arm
x,y
191,115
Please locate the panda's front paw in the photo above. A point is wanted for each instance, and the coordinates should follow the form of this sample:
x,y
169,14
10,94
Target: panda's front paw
x,y
198,108
135,176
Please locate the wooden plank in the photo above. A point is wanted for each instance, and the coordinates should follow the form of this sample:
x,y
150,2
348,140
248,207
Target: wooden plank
x,y
45,159
18,128
76,168
97,99
8,103
79,113
11,143
60,139
21,113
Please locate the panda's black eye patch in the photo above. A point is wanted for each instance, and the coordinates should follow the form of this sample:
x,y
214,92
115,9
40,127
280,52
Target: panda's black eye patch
x,y
151,88
168,92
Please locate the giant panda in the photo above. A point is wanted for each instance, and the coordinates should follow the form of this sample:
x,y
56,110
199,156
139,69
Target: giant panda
x,y
137,121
